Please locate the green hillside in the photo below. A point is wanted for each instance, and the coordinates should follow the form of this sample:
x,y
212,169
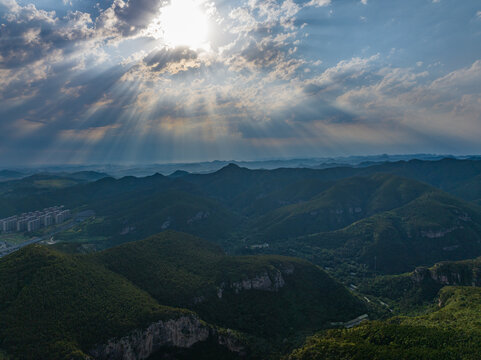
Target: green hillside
x,y
341,204
244,190
56,306
451,332
469,189
23,195
156,205
451,175
44,182
173,209
133,217
459,308
235,203
254,203
413,291
241,187
431,228
292,295
61,306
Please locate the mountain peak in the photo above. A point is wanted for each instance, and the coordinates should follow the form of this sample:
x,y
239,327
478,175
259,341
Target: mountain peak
x,y
179,173
231,167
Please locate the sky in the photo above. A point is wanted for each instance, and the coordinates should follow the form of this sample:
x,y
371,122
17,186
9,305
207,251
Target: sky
x,y
156,81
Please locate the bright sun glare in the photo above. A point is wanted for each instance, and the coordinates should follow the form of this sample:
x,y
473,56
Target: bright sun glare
x,y
183,23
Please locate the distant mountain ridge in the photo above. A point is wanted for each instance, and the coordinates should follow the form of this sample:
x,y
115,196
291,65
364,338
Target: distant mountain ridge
x,y
140,170
241,208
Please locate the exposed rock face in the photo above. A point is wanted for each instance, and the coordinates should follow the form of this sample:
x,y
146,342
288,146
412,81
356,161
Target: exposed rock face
x,y
166,223
465,274
199,216
231,342
260,282
272,281
435,234
439,233
420,274
182,332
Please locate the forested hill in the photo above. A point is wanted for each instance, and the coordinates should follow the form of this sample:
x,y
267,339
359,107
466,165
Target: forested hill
x,y
451,331
62,306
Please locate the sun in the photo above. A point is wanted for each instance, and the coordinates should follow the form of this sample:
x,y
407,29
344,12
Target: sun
x,y
182,23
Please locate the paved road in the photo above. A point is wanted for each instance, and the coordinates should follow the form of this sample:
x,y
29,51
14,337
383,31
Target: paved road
x,y
79,217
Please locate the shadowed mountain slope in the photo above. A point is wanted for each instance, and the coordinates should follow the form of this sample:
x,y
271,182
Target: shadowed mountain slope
x,y
58,306
270,296
341,204
432,227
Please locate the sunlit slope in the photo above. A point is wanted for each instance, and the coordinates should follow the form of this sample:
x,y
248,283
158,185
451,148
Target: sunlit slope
x,y
57,306
269,296
451,332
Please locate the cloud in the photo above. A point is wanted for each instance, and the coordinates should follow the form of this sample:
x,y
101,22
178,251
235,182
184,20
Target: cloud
x,y
465,80
30,34
319,3
294,76
172,60
353,71
126,18
447,106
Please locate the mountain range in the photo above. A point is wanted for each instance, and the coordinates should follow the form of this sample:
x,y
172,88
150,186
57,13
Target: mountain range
x,y
242,263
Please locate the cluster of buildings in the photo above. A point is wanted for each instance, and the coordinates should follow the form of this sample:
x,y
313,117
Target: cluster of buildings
x,y
35,220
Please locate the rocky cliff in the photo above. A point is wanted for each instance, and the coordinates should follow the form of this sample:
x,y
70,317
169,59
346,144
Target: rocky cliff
x,y
266,281
464,273
182,332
